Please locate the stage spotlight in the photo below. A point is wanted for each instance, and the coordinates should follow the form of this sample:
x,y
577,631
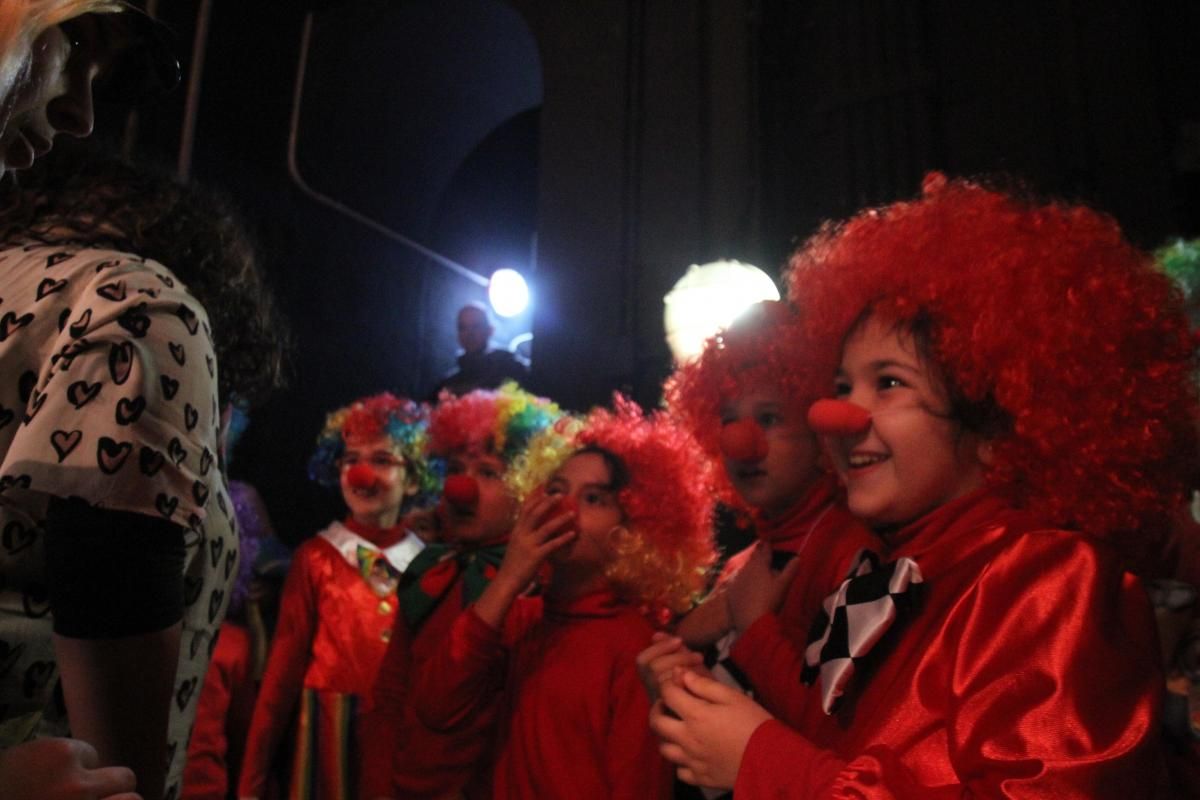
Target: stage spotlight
x,y
508,293
708,298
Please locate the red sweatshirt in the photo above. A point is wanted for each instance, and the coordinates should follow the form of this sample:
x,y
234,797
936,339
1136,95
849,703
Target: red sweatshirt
x,y
1029,671
826,539
573,720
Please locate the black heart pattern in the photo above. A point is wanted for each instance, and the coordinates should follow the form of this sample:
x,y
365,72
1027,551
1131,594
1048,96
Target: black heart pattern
x,y
198,640
221,503
17,536
152,293
35,405
169,386
114,291
19,481
103,265
11,323
214,604
7,415
37,675
9,655
190,416
176,451
135,320
80,393
206,460
56,258
129,411
166,279
184,693
111,454
150,461
120,361
215,548
64,442
177,353
79,327
166,504
208,362
25,385
36,601
49,286
191,589
230,562
63,316
68,353
200,493
189,318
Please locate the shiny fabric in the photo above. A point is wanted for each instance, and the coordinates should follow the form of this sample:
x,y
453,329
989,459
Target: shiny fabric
x,y
1030,672
826,539
572,722
332,634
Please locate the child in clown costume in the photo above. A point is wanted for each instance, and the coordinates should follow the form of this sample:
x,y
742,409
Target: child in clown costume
x,y
338,607
1014,409
622,516
479,436
744,400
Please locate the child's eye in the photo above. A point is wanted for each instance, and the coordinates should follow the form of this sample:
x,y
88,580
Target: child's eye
x,y
488,472
455,468
595,497
841,389
889,382
555,490
768,419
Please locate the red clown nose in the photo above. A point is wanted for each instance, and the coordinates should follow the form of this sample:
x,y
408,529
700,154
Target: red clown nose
x,y
360,476
744,440
461,491
838,418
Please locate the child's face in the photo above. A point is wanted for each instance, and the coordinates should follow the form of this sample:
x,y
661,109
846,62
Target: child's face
x,y
493,515
379,502
774,484
913,457
424,523
586,479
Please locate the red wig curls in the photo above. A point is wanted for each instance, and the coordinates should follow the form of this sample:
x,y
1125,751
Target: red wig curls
x,y
1041,312
762,350
667,505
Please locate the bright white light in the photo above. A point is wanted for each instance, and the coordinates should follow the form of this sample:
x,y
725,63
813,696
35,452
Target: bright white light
x,y
709,298
508,292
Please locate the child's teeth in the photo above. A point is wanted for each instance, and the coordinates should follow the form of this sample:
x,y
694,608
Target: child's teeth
x,y
865,460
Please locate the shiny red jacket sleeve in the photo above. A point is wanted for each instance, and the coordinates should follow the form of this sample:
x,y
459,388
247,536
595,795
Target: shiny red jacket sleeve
x,y
1045,682
284,676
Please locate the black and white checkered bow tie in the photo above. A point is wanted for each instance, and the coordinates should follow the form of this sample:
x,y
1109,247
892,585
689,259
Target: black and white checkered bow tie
x,y
854,619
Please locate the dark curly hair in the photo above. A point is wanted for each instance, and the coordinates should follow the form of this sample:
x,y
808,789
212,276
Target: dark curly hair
x,y
83,194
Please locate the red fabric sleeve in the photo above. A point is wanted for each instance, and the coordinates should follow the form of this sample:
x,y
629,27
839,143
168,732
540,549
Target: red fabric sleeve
x,y
284,676
770,653
634,767
464,677
780,763
380,726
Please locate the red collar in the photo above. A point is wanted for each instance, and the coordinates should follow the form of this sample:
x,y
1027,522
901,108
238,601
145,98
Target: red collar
x,y
382,538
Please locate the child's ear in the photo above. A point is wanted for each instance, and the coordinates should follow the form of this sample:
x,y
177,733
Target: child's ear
x,y
410,486
986,453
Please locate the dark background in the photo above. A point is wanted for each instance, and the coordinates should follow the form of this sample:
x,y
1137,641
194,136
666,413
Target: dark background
x,y
602,146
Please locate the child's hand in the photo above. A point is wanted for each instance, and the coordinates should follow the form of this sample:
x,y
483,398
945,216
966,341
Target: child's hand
x,y
756,589
62,769
542,527
705,624
704,727
657,663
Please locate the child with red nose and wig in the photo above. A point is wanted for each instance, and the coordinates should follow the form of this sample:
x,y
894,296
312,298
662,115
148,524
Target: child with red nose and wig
x,y
1012,412
479,436
622,517
338,605
744,400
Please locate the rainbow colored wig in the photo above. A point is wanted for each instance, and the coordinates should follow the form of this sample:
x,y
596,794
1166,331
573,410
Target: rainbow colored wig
x,y
1042,312
763,350
501,422
401,420
667,504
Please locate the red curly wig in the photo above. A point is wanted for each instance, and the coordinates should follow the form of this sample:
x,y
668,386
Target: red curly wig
x,y
667,505
762,350
1042,311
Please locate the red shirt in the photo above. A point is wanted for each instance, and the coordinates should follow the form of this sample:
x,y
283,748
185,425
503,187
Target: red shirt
x,y
826,539
1029,671
222,719
573,721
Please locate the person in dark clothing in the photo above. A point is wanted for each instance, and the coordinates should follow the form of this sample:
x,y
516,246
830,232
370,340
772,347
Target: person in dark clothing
x,y
478,366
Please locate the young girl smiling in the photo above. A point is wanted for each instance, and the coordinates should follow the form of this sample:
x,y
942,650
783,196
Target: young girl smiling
x,y
1014,413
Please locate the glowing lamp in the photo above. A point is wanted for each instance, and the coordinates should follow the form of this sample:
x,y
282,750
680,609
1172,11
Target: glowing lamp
x,y
461,490
744,440
708,298
508,293
838,418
